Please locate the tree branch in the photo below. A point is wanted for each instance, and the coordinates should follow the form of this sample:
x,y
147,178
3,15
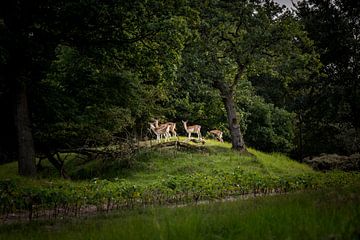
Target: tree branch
x,y
225,39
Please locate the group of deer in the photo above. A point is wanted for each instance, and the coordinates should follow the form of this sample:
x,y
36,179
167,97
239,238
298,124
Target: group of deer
x,y
163,130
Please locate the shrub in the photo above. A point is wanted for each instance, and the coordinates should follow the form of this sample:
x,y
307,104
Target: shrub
x,y
269,128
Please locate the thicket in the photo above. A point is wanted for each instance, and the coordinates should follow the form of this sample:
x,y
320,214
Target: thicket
x,y
93,74
266,127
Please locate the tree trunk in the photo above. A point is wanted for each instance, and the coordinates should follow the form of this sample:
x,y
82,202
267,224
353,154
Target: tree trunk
x,y
237,139
26,151
301,138
227,95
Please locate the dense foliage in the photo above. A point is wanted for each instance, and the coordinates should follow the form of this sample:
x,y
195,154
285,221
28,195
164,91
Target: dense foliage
x,y
91,73
330,114
53,199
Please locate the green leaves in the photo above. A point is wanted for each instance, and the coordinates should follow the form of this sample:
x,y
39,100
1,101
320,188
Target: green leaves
x,y
334,28
66,198
117,74
266,127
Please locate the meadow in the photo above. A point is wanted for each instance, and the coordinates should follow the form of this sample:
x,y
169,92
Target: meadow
x,y
213,193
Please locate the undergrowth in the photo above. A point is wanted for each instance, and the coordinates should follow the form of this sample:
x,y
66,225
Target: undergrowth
x,y
323,214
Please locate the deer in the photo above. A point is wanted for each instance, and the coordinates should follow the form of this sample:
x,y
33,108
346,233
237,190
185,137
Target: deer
x,y
160,131
192,129
171,124
218,134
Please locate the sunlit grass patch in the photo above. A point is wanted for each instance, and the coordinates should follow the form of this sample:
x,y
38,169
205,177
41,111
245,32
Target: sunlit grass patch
x,y
277,163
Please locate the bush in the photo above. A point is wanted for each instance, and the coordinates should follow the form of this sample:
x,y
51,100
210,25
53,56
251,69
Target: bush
x,y
268,128
71,198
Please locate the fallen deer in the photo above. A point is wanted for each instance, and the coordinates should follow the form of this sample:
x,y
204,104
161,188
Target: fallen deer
x,y
218,134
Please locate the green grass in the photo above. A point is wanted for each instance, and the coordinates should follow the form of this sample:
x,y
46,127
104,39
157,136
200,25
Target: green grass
x,y
156,177
168,176
325,214
9,170
151,165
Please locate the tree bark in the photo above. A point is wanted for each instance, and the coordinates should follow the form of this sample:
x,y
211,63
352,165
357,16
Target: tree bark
x,y
300,138
227,95
26,151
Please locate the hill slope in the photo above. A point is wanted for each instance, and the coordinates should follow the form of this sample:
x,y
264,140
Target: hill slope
x,y
163,176
150,165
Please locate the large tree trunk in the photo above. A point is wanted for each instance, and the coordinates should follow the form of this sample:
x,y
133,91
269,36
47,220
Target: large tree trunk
x,y
227,95
26,151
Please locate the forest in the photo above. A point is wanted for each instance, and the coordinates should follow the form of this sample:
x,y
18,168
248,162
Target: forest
x,y
123,104
78,74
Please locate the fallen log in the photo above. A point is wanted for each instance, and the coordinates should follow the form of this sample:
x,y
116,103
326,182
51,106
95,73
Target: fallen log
x,y
180,145
58,163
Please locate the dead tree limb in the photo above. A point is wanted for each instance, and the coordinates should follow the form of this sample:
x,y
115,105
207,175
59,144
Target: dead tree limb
x,y
180,145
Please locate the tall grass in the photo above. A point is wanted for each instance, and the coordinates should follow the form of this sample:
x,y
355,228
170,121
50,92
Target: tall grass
x,y
326,214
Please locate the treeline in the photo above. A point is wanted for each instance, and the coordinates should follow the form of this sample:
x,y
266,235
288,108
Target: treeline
x,y
93,73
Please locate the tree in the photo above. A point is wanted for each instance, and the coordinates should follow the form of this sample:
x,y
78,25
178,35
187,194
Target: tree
x,y
19,66
121,50
239,40
266,127
335,29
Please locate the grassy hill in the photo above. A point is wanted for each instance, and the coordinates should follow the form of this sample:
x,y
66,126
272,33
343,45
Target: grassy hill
x,y
149,165
156,176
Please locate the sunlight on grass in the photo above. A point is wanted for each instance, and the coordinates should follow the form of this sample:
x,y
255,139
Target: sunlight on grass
x,y
153,165
277,163
163,176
